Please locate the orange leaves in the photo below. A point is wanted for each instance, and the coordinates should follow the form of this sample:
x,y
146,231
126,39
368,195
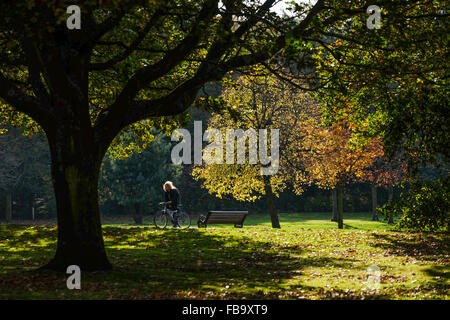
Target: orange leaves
x,y
334,158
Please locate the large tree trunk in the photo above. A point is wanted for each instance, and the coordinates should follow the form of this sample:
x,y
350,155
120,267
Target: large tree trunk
x,y
340,210
390,197
8,208
136,213
374,203
270,203
334,205
76,162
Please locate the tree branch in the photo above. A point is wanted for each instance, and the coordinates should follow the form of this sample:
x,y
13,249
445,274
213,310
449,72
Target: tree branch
x,y
34,71
23,102
113,117
123,55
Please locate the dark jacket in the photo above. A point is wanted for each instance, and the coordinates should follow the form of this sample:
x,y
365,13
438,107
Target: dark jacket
x,y
174,196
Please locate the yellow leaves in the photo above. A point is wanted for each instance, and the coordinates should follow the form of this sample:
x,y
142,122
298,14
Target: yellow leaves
x,y
321,154
338,43
242,182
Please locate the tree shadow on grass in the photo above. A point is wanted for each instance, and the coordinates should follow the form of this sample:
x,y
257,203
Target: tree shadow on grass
x,y
347,226
191,260
428,246
191,263
26,246
155,264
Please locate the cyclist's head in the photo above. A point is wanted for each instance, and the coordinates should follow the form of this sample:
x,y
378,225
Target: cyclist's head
x,y
168,185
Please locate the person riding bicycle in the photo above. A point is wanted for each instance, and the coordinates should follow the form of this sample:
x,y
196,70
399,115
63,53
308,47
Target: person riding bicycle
x,y
172,198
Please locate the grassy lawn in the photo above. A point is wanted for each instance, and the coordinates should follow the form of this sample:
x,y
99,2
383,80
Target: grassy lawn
x,y
308,258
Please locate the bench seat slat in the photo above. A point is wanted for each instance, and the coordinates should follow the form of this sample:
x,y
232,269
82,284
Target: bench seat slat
x,y
224,220
225,217
229,212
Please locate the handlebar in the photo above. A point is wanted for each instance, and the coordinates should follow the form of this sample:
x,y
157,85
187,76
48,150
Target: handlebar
x,y
164,203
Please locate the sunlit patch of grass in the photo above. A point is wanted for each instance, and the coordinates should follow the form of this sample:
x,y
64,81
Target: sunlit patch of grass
x,y
291,221
305,259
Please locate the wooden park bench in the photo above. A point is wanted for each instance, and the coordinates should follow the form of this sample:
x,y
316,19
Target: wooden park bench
x,y
223,217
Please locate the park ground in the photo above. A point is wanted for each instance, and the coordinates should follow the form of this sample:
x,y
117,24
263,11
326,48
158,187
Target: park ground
x,y
308,258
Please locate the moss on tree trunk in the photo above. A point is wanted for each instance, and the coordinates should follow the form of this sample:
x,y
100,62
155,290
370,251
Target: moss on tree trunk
x,y
75,173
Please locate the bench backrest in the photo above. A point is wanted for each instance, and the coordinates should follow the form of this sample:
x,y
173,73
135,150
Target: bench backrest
x,y
236,217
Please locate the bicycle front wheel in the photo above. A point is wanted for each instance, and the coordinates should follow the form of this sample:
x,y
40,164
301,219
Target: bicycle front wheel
x,y
183,220
160,220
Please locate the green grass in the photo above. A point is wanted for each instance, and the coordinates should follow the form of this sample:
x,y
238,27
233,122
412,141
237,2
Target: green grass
x,y
293,221
308,258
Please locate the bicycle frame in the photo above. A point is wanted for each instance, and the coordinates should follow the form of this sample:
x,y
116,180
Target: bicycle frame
x,y
174,215
169,212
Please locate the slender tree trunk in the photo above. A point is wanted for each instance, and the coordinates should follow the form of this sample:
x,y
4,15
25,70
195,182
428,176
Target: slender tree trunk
x,y
390,197
136,212
334,205
270,203
374,203
340,210
8,215
76,162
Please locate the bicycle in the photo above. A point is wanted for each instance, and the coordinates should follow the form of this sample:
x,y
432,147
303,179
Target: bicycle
x,y
179,218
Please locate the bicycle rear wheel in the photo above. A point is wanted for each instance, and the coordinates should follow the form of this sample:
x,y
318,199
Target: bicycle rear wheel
x,y
183,220
160,220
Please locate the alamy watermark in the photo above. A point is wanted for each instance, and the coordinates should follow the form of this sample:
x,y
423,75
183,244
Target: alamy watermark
x,y
237,142
374,20
74,280
74,20
373,278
